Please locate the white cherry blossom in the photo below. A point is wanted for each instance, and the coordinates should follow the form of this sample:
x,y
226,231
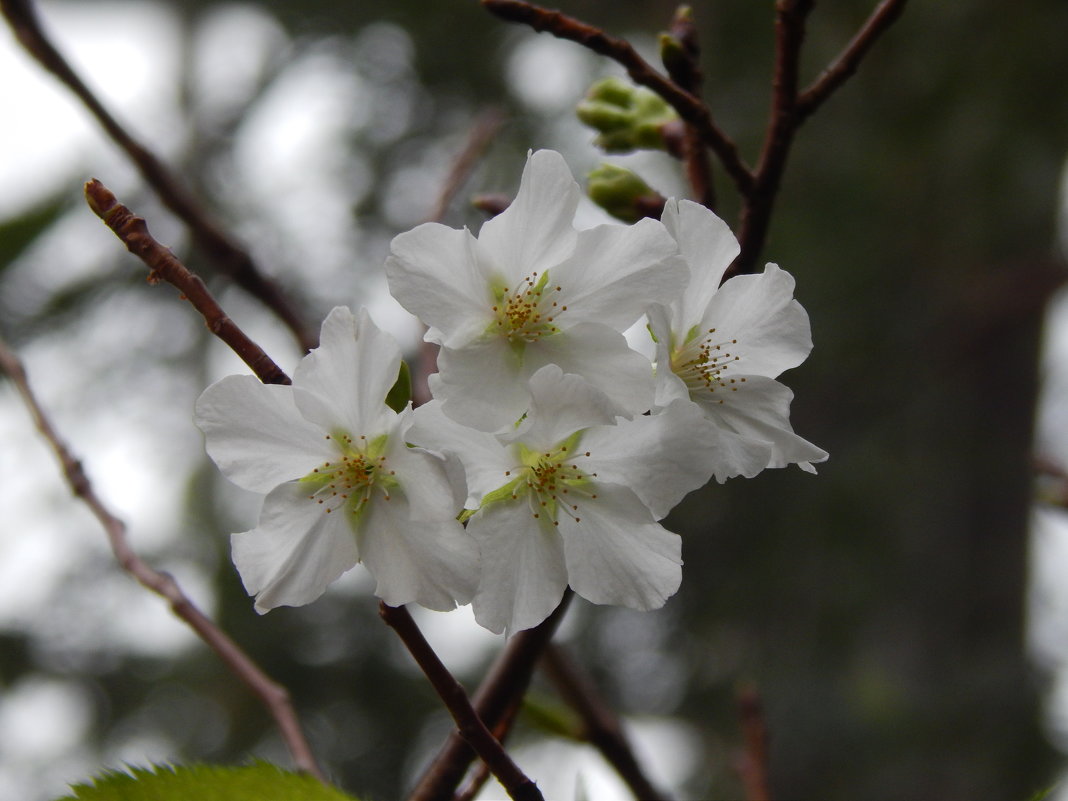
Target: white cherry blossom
x,y
529,291
341,484
572,496
722,347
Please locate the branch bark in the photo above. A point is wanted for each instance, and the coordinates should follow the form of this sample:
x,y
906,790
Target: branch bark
x,y
790,109
685,71
273,695
503,686
164,265
884,15
228,257
602,727
753,761
690,108
758,187
468,723
790,17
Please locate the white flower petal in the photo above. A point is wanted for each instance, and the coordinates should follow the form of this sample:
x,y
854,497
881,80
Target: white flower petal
x,y
560,405
664,456
422,475
759,409
617,271
669,387
759,311
435,273
535,232
484,459
256,435
483,385
433,562
708,246
602,357
617,554
295,551
344,382
523,573
736,455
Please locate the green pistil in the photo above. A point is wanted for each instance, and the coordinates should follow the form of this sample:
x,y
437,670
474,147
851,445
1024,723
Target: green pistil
x,y
551,481
526,313
349,481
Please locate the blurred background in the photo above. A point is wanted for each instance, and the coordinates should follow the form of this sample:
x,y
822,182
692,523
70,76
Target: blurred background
x,y
903,616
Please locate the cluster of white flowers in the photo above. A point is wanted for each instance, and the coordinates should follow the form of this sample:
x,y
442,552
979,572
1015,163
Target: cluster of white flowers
x,y
558,445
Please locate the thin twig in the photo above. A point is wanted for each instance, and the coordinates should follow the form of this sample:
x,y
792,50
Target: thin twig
x,y
690,108
228,257
790,17
849,59
601,726
684,68
504,684
471,727
164,265
790,109
273,695
753,762
480,137
481,773
491,203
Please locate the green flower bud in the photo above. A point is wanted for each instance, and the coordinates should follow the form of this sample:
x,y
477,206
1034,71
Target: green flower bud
x,y
673,54
613,91
621,193
626,117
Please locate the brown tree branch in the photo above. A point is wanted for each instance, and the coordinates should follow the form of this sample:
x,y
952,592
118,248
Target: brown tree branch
x,y
164,265
760,186
601,726
468,723
479,138
790,109
790,17
227,256
752,763
491,203
481,773
683,64
273,695
849,59
503,686
690,108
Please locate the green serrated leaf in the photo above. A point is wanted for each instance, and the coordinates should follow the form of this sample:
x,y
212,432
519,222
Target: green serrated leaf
x,y
259,782
401,392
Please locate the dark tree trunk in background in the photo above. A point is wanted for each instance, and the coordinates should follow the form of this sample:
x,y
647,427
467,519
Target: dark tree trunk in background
x,y
881,607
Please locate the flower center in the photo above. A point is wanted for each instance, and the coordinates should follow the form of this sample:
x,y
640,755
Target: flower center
x,y
350,480
526,313
703,362
551,481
